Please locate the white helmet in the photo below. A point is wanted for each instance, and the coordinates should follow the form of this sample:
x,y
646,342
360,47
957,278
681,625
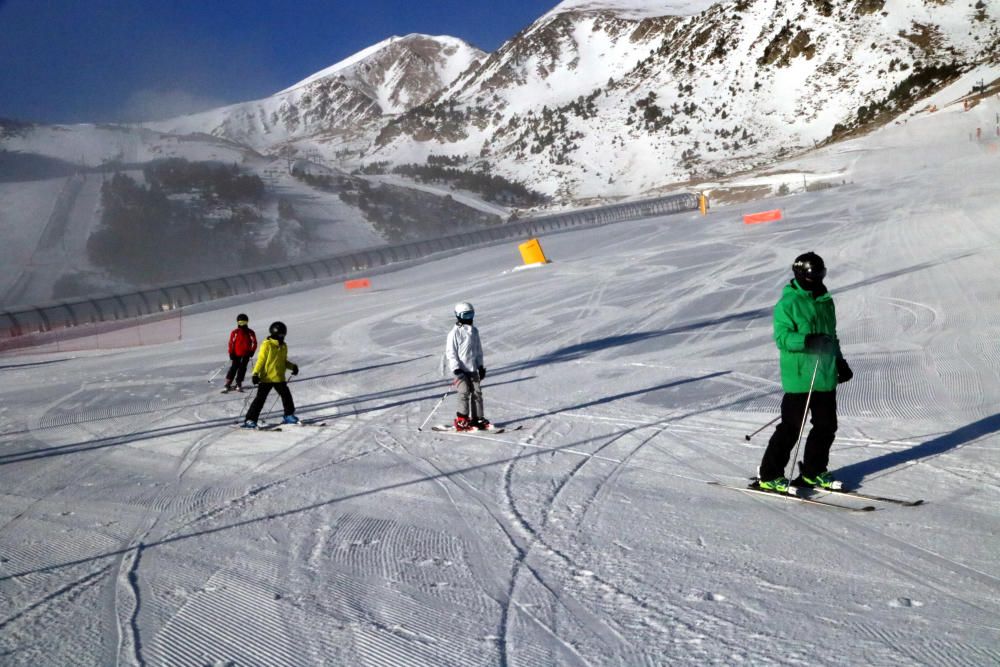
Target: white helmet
x,y
464,311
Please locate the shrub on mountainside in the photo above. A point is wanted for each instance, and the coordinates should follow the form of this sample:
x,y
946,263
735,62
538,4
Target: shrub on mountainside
x,y
146,237
209,179
374,168
921,82
493,188
403,214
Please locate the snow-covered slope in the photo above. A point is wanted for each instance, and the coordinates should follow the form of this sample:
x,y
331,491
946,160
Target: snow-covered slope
x,y
137,527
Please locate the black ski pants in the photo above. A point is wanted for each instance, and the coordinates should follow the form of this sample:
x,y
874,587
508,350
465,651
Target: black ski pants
x,y
238,369
816,457
263,389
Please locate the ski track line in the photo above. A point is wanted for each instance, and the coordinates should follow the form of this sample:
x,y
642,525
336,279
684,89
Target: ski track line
x,y
400,613
986,580
643,609
869,554
521,551
556,450
666,425
240,502
71,589
597,625
385,549
920,553
477,566
929,651
564,598
600,490
502,596
923,580
313,438
190,455
397,622
566,647
129,643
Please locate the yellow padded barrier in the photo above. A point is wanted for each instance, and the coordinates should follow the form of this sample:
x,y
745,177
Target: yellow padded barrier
x,y
532,253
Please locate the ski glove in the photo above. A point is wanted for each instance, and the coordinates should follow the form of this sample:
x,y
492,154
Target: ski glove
x,y
844,372
255,379
820,344
233,357
294,367
459,373
482,372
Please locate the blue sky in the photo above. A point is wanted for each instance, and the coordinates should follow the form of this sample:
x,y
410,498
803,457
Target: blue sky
x,y
109,60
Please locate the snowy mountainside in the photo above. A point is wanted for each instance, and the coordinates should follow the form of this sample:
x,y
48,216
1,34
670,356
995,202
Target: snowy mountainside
x,y
389,77
600,99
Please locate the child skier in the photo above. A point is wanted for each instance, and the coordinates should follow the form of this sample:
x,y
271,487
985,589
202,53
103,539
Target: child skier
x,y
269,373
242,345
464,357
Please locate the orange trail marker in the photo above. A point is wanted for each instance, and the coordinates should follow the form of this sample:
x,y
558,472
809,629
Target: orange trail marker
x,y
763,216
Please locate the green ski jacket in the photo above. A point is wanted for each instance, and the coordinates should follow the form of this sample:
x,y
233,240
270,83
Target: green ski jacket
x,y
798,313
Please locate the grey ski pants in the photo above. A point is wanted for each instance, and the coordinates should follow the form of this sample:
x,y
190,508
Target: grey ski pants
x,y
469,397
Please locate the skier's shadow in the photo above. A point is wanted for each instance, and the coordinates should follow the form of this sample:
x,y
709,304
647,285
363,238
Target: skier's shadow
x,y
854,473
33,363
617,397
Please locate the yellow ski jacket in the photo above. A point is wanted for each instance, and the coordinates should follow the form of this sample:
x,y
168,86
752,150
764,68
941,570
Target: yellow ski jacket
x,y
272,361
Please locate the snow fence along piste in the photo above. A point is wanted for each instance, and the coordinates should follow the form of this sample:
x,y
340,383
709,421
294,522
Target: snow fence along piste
x,y
74,318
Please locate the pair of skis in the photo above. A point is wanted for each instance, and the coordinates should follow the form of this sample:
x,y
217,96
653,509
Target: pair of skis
x,y
817,497
448,428
278,426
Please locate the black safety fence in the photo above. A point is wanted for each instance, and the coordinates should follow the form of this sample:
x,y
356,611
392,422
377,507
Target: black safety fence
x,y
32,320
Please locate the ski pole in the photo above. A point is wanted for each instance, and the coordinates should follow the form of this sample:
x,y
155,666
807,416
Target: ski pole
x,y
213,375
761,428
274,400
805,414
246,401
421,427
453,384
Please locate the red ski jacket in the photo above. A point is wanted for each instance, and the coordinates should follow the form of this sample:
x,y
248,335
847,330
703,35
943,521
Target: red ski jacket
x,y
242,342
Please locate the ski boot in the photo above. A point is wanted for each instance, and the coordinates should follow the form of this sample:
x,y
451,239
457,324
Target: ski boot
x,y
462,423
482,424
239,388
227,389
249,424
290,419
777,485
823,480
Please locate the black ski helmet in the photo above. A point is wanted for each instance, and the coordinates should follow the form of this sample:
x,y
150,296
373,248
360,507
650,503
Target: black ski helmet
x,y
809,270
278,329
242,319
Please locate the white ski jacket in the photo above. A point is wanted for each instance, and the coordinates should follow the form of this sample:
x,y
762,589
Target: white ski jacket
x,y
463,351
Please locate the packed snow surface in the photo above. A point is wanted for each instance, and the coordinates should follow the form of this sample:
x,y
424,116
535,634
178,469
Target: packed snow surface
x,y
137,527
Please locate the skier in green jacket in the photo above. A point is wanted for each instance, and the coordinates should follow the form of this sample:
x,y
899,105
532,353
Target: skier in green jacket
x,y
805,331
